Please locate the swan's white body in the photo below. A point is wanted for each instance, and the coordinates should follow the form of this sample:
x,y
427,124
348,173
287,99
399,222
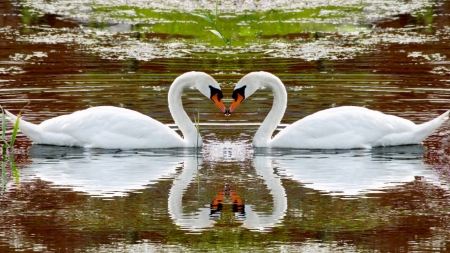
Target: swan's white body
x,y
119,128
345,127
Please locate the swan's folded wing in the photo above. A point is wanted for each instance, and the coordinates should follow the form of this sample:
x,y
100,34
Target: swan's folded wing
x,y
112,127
342,128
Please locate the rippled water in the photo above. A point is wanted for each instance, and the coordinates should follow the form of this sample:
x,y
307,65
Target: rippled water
x,y
61,56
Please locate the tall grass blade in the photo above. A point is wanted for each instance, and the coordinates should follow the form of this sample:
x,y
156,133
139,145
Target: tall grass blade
x,y
3,176
16,129
205,17
217,8
217,33
4,151
197,126
3,124
8,151
15,172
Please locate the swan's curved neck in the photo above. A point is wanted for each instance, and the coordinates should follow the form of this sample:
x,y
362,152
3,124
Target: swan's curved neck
x,y
264,168
182,120
263,136
193,222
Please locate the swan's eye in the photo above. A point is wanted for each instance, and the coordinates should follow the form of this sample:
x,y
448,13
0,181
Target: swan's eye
x,y
215,91
240,91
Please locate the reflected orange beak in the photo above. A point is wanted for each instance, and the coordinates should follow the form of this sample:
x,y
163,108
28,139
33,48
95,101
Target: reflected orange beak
x,y
219,103
236,103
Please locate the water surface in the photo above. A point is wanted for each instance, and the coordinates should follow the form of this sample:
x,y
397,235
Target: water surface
x,y
61,56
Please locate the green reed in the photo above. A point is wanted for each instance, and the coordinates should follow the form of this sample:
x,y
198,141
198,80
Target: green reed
x,y
206,16
197,126
8,150
197,175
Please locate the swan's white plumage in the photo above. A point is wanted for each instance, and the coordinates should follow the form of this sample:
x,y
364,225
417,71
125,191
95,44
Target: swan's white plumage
x,y
349,127
120,128
102,127
343,127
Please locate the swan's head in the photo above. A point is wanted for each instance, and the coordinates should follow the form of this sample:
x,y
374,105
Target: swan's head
x,y
209,87
248,85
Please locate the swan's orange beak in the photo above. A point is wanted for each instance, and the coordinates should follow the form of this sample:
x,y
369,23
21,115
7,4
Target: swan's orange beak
x,y
219,103
237,101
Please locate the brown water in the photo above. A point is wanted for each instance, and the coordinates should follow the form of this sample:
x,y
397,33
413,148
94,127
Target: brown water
x,y
79,200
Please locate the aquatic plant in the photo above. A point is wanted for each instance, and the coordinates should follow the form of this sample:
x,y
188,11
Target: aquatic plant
x,y
197,126
206,16
8,150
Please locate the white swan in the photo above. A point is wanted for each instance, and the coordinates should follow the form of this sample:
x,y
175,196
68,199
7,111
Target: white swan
x,y
119,128
343,127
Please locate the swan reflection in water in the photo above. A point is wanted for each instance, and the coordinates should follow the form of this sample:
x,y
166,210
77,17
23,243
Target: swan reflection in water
x,y
106,173
340,172
351,172
101,172
205,217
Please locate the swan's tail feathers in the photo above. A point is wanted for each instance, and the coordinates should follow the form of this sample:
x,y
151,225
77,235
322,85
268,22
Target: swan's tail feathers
x,y
426,129
31,130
